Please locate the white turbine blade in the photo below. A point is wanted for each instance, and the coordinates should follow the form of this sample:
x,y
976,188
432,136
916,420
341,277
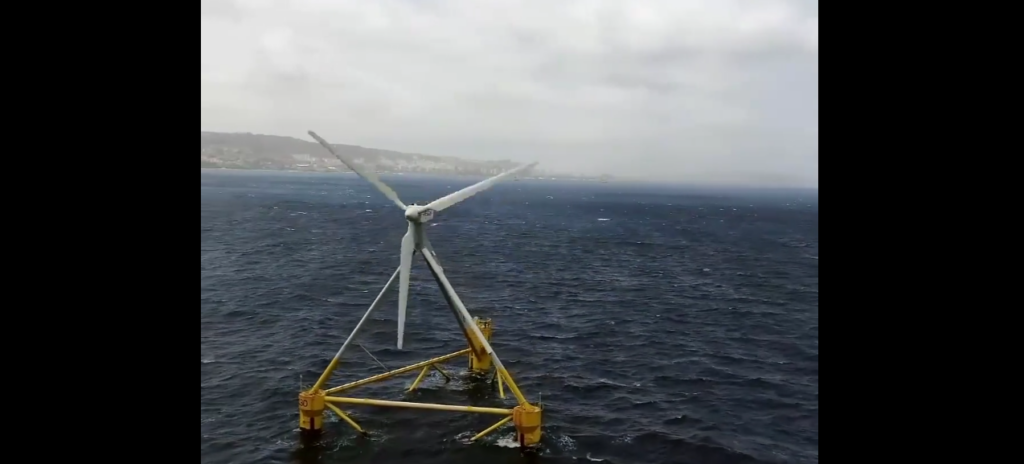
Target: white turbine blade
x,y
453,198
365,174
408,246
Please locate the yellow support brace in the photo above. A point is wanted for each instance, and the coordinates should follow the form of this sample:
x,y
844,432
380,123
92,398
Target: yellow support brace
x,y
490,429
447,378
512,386
418,379
409,405
326,375
388,375
345,418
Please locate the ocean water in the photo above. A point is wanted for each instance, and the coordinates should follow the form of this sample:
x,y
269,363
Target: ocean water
x,y
656,324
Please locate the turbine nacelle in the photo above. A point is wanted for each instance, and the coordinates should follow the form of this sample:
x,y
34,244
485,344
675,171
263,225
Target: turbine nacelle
x,y
419,213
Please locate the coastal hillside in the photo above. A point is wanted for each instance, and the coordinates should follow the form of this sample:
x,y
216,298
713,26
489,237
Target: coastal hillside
x,y
257,151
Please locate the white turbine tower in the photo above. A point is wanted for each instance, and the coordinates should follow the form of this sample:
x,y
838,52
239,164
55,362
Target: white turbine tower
x,y
416,240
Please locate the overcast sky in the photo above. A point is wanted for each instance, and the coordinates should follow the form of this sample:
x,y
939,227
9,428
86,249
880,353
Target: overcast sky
x,y
674,90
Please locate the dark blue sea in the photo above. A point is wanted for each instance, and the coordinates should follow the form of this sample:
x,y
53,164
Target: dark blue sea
x,y
657,324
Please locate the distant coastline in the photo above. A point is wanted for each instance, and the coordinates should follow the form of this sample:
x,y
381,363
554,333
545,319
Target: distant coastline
x,y
245,151
461,174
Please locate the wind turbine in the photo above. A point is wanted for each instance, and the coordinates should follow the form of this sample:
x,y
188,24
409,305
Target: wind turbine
x,y
415,239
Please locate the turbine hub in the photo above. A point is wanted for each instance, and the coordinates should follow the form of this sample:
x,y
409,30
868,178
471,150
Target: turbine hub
x,y
417,213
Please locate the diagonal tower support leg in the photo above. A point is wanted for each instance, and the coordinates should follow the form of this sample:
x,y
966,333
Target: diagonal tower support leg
x,y
526,417
337,357
465,321
311,402
425,249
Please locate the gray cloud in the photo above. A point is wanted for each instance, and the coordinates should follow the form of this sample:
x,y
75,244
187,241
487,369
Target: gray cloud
x,y
686,90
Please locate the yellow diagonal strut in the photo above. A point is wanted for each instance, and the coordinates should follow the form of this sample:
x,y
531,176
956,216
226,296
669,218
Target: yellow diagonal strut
x,y
490,429
409,405
388,375
345,418
512,386
419,378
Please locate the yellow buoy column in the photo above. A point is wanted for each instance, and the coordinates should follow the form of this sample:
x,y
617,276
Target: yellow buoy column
x,y
311,411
